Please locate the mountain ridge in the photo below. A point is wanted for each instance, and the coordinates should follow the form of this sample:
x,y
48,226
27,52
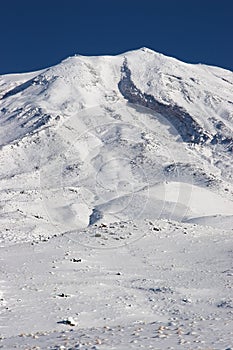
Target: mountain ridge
x,y
169,81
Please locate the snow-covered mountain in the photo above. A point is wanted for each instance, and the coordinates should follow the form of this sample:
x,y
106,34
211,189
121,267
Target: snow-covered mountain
x,y
132,152
139,135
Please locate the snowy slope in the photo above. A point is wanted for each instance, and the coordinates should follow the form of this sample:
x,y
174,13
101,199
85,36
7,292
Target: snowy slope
x,y
131,152
112,128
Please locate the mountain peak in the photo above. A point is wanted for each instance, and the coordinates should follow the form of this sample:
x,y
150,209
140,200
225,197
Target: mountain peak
x,y
148,50
186,93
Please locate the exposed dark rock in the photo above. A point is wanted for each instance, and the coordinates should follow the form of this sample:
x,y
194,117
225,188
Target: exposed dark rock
x,y
95,216
186,126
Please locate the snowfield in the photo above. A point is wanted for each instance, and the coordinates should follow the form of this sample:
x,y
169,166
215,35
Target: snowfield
x,y
116,214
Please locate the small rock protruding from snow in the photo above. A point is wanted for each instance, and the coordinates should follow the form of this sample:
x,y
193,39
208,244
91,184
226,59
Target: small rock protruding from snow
x,y
70,321
76,260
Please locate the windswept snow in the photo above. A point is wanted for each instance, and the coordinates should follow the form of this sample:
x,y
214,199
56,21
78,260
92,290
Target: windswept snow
x,y
169,288
116,205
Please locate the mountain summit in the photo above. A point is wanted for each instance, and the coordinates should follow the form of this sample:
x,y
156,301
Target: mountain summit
x,y
194,98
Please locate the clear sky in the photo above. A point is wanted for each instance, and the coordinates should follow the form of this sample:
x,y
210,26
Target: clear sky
x,y
37,33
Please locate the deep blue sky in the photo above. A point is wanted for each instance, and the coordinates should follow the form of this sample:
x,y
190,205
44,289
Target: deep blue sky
x,y
38,33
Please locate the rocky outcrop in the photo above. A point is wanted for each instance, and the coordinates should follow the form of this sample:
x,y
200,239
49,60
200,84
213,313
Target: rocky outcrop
x,y
186,126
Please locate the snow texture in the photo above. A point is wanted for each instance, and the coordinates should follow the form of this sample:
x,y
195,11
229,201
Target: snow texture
x,y
116,205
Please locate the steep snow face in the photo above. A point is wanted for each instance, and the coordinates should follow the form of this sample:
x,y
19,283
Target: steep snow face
x,y
64,90
202,91
95,138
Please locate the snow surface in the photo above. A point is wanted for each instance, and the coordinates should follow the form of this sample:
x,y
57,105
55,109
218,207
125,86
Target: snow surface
x,y
116,205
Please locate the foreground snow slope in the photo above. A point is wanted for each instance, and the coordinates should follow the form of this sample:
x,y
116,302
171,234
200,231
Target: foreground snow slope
x,y
116,204
169,288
